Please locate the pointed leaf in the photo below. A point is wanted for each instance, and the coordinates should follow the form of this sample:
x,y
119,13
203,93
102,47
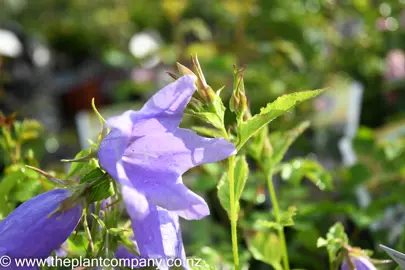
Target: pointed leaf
x,y
273,110
281,141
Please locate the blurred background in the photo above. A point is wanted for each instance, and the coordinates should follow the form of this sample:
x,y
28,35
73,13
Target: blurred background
x,y
55,56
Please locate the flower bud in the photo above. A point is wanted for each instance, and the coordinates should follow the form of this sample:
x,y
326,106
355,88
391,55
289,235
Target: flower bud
x,y
238,102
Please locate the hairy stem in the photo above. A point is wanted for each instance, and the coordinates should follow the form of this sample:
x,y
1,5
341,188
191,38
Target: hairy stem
x,y
276,209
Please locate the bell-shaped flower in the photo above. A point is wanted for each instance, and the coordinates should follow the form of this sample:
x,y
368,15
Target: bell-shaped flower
x,y
359,262
147,153
36,228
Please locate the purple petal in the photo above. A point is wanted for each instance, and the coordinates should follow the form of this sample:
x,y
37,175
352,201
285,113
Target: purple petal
x,y
361,263
30,231
176,197
170,102
163,112
154,165
156,231
176,152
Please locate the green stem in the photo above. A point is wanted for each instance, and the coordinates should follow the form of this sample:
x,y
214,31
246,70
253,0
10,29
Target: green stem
x,y
276,209
233,210
90,248
94,224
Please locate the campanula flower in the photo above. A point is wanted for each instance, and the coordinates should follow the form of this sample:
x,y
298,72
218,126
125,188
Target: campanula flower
x,y
147,153
35,229
360,262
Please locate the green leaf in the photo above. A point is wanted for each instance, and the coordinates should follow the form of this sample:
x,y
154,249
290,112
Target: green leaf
x,y
241,171
101,185
206,131
223,192
257,144
266,247
335,238
209,117
94,175
295,170
286,220
81,168
281,141
6,186
273,110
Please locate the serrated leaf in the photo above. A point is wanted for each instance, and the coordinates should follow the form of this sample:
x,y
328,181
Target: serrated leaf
x,y
266,247
286,220
281,141
241,171
286,217
273,110
295,170
335,238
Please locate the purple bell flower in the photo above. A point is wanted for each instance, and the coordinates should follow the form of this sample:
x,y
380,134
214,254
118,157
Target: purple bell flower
x,y
361,263
147,153
34,230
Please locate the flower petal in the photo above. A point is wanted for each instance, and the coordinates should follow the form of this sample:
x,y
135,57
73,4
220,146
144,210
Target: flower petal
x,y
361,263
176,152
163,112
175,196
30,231
156,231
169,103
